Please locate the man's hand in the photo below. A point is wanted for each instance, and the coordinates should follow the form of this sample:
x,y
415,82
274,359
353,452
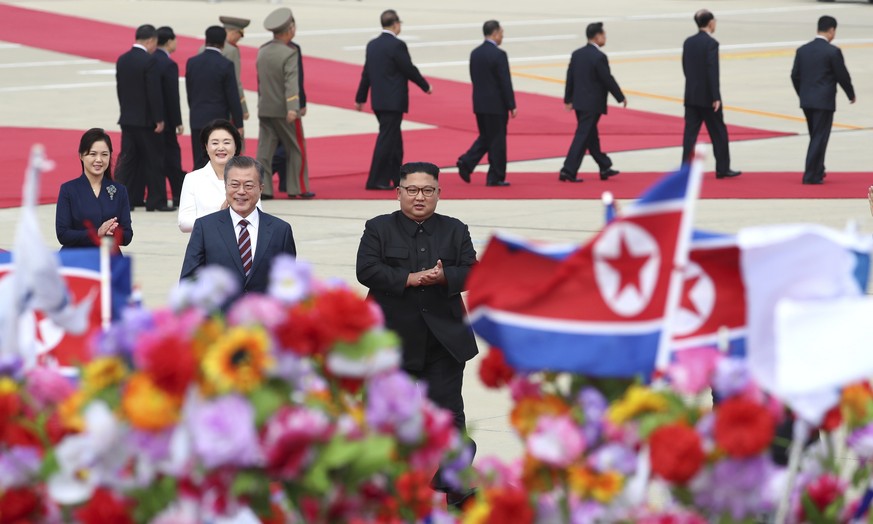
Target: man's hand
x,y
159,127
568,106
513,113
870,198
359,106
180,129
429,90
108,227
852,101
624,102
428,277
241,131
302,112
291,116
716,105
245,116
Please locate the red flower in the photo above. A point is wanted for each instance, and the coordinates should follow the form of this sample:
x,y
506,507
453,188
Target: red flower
x,y
822,492
509,505
832,419
10,406
299,332
676,452
20,505
343,315
413,490
167,358
104,507
743,428
16,434
494,371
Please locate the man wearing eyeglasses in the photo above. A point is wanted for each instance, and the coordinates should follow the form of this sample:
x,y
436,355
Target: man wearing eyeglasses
x,y
241,238
415,263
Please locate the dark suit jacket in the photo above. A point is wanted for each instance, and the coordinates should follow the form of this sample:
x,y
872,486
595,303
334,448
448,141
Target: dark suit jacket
x,y
210,82
168,70
700,65
214,241
818,68
492,84
77,205
138,85
589,80
386,257
388,70
300,73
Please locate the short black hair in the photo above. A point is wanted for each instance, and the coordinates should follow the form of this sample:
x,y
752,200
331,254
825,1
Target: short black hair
x,y
703,17
389,18
225,125
243,162
216,36
593,30
95,134
490,27
419,167
145,32
826,23
165,34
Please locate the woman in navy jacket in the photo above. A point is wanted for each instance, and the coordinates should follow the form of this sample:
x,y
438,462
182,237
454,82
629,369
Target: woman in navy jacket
x,y
93,203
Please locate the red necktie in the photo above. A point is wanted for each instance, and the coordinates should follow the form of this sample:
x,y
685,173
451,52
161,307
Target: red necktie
x,y
245,247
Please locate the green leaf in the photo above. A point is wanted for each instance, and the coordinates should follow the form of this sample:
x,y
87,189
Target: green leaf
x,y
49,465
266,402
154,499
254,487
651,422
813,515
375,455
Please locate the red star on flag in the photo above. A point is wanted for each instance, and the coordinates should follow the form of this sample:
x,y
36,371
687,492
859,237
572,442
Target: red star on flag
x,y
628,266
688,304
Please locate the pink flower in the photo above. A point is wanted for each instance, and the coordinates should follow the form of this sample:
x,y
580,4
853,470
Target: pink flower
x,y
290,438
252,309
440,435
693,369
556,441
493,472
48,387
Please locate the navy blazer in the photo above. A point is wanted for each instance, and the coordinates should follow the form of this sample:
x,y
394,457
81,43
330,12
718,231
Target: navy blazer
x,y
168,70
818,68
700,65
589,80
492,84
77,205
388,69
138,86
302,92
214,241
210,82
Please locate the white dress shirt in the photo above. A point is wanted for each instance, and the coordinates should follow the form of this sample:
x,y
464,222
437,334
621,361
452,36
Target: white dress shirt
x,y
254,219
202,193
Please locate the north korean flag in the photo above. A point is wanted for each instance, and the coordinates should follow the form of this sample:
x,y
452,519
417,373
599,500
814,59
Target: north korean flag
x,y
598,309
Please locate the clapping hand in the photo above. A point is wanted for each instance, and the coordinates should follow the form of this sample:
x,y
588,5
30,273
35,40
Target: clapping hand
x,y
107,229
428,277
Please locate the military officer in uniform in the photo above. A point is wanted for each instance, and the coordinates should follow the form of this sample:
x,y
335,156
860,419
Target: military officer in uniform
x,y
279,101
235,28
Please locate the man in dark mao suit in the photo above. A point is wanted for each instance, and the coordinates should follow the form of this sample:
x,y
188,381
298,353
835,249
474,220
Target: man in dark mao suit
x,y
138,86
703,96
388,69
169,72
210,82
589,80
415,263
493,100
818,68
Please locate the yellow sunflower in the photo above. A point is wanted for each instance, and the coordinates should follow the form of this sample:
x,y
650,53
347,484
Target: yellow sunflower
x,y
238,360
102,373
637,401
7,385
147,406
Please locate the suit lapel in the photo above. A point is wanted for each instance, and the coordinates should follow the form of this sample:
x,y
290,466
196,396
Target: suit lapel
x,y
228,234
265,232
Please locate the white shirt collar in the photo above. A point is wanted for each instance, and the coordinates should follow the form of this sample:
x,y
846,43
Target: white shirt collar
x,y
822,37
141,47
492,41
165,51
390,32
210,48
595,45
253,218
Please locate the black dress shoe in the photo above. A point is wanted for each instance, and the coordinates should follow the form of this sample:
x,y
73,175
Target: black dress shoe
x,y
456,500
379,187
499,183
308,195
463,171
813,182
564,177
730,173
161,208
606,173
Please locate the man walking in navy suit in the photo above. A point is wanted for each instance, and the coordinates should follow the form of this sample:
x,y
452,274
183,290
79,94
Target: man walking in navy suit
x,y
210,82
589,80
388,69
818,68
169,73
703,95
493,101
240,238
138,86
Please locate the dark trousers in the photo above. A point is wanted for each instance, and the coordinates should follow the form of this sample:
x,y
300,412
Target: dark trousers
x,y
173,163
491,140
140,166
718,135
818,122
586,139
388,153
444,377
198,152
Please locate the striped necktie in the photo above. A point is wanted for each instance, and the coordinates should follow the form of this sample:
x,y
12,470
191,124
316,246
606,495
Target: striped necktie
x,y
245,247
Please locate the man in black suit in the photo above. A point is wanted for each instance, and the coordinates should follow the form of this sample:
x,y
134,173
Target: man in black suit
x,y
818,68
138,86
388,69
493,99
589,80
210,82
415,263
703,96
169,72
240,238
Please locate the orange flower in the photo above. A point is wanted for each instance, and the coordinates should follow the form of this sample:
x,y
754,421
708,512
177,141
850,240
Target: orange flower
x,y
856,402
528,410
147,406
102,373
587,483
70,411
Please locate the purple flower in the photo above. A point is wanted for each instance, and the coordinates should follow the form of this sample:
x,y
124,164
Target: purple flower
x,y
154,445
861,442
586,512
121,338
731,377
453,470
734,487
18,466
614,457
11,366
556,441
211,289
299,372
223,433
395,404
594,406
290,279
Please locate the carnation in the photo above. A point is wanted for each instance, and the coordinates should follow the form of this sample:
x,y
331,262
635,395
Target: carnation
x,y
743,428
223,432
676,452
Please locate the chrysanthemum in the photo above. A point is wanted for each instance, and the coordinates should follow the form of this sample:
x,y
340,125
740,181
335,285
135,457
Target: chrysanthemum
x,y
238,361
102,373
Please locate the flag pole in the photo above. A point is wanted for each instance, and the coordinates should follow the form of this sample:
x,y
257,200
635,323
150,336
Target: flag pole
x,y
801,433
680,258
106,244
